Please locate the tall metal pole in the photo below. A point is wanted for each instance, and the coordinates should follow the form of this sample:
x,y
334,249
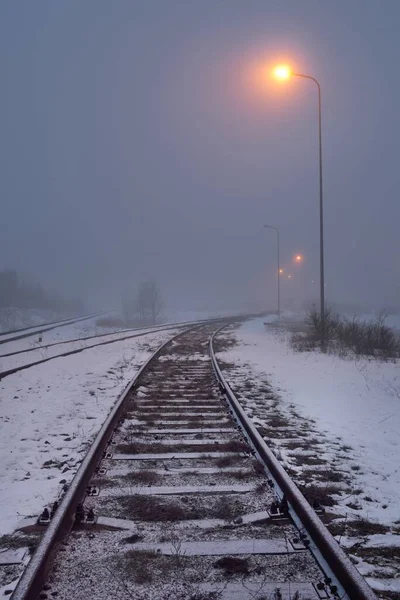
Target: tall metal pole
x,y
321,204
279,267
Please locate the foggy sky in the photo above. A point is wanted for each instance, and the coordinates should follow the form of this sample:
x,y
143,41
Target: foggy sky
x,y
135,144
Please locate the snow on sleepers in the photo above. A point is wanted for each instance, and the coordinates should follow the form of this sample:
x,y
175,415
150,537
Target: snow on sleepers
x,y
237,488
204,423
237,591
121,471
184,431
12,557
186,413
220,547
249,519
184,442
185,408
171,455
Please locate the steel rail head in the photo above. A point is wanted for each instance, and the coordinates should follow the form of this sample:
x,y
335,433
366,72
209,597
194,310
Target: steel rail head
x,y
31,583
353,583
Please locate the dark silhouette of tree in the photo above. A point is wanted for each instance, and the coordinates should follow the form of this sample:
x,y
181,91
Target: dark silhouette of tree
x,y
149,301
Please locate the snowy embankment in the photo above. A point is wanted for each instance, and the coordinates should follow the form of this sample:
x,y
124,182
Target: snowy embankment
x,y
17,318
43,352
353,411
49,416
56,334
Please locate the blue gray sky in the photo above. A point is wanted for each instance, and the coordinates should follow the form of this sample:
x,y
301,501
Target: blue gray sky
x,y
136,143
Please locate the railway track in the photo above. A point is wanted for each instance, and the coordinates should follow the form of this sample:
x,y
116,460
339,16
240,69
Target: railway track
x,y
179,499
25,332
27,362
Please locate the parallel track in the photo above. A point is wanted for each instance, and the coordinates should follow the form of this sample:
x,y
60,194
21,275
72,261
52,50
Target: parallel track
x,y
37,329
184,505
126,335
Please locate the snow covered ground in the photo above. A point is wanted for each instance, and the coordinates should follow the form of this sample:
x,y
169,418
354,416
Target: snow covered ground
x,y
49,416
354,408
43,352
17,318
62,333
72,331
358,400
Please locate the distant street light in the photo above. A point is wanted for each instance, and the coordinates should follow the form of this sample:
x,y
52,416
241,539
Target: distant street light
x,y
283,73
279,271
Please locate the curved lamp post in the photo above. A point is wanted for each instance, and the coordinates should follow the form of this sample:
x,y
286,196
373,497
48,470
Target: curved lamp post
x,y
283,73
278,270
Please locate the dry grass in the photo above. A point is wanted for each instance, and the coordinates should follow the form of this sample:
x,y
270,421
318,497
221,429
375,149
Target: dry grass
x,y
145,477
241,475
277,420
226,509
323,495
233,565
153,509
116,322
226,461
308,460
224,342
139,565
360,527
329,475
374,555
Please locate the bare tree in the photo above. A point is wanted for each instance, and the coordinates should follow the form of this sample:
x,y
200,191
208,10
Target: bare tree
x,y
149,301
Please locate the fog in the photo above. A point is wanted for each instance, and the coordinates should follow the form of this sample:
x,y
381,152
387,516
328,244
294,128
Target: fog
x,y
138,143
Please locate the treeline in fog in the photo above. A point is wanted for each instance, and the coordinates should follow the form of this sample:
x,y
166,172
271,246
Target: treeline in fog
x,y
17,293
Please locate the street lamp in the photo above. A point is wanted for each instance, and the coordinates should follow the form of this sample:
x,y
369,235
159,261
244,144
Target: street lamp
x,y
283,73
279,270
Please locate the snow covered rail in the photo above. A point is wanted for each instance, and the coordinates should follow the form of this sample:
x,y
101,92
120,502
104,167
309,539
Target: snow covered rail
x,y
79,349
324,547
19,334
173,501
31,583
116,337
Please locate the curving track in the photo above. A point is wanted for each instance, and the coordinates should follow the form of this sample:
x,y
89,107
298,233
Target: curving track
x,y
178,502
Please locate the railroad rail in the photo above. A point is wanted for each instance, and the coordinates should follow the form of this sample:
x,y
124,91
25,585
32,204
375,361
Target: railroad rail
x,y
37,329
125,335
148,329
179,497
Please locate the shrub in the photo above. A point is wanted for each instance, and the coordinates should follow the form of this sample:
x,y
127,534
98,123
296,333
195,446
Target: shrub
x,y
116,322
343,336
